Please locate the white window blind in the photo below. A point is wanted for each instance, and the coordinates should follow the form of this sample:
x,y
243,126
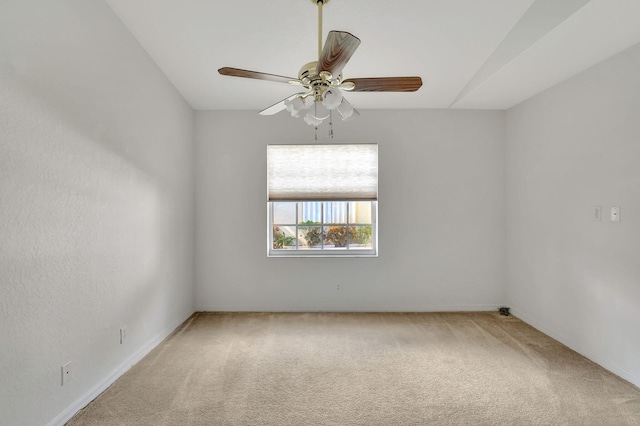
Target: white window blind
x,y
322,172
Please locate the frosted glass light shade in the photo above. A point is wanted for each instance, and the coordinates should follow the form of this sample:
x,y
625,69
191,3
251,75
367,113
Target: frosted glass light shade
x,y
332,98
319,111
311,120
294,106
322,172
354,114
345,109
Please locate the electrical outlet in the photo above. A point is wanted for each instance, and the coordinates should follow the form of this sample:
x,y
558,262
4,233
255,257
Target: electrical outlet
x,y
65,370
123,335
337,287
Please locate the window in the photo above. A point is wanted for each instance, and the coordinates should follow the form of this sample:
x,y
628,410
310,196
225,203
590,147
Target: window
x,y
322,200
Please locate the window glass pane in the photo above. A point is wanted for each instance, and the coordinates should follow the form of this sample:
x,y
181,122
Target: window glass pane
x,y
310,212
360,237
360,212
335,212
335,237
322,228
284,213
284,237
310,237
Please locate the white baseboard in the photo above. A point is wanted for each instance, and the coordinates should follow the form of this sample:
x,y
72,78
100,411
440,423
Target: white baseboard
x,y
603,362
386,308
93,393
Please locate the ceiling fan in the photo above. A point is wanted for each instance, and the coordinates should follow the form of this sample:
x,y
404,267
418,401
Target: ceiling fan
x,y
323,80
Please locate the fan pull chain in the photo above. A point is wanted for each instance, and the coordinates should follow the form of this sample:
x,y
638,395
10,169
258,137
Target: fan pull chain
x,y
330,124
315,111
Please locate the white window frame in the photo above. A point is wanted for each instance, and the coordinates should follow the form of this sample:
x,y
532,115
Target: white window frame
x,y
322,252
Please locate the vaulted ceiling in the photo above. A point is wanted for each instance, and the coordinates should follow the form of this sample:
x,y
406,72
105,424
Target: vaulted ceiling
x,y
487,54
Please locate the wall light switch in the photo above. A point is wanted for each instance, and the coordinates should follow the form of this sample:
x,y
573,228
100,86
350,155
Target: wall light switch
x,y
597,213
615,214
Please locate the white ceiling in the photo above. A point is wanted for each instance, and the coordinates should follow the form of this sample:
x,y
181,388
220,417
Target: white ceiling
x,y
488,54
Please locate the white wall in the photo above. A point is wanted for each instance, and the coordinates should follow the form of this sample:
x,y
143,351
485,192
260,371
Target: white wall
x,y
569,149
96,205
441,215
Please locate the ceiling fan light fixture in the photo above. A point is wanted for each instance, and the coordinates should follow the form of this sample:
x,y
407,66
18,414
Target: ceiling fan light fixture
x,y
295,105
332,98
354,114
345,109
311,120
319,111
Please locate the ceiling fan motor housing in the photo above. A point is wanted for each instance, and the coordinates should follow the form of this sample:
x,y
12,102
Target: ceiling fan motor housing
x,y
318,83
307,73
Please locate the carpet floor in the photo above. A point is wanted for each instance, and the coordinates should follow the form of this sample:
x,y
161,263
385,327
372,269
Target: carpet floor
x,y
363,369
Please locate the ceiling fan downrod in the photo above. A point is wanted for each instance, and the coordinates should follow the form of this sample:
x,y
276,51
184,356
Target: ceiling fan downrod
x,y
320,3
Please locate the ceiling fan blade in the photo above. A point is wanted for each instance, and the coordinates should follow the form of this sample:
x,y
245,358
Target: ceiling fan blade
x,y
385,84
237,72
337,51
279,106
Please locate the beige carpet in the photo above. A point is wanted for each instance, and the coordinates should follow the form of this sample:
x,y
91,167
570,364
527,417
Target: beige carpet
x,y
363,369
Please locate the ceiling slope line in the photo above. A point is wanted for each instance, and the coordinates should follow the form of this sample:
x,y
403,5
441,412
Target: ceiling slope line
x,y
540,19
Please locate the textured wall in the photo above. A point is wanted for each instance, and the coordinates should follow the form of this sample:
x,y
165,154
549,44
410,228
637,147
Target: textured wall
x,y
569,149
96,203
441,215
